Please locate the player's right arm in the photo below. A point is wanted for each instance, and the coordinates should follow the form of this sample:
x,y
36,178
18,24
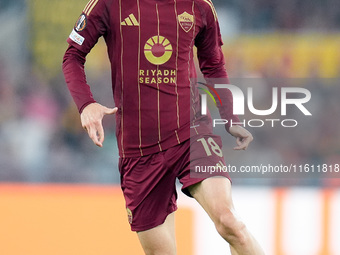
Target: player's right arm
x,y
90,26
74,73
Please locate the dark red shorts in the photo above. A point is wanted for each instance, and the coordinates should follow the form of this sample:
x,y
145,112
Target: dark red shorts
x,y
149,182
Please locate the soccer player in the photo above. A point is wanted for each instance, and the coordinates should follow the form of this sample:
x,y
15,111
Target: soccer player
x,y
160,131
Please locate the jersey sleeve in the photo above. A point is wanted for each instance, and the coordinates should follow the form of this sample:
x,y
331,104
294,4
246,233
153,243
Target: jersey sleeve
x,y
90,26
73,69
211,61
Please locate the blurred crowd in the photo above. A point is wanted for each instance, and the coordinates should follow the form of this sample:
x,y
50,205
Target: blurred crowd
x,y
285,15
41,139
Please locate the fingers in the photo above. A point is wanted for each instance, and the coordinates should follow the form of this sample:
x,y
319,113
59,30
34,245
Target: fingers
x,y
91,119
95,132
100,135
243,142
243,137
109,111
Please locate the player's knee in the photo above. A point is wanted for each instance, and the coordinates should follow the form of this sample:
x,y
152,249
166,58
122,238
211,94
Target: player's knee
x,y
230,228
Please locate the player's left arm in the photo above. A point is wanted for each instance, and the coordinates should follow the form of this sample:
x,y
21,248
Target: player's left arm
x,y
212,65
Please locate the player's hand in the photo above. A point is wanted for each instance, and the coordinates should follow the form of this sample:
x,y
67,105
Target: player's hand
x,y
91,120
243,137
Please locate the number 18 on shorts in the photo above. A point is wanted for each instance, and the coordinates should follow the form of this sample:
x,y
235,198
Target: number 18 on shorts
x,y
206,157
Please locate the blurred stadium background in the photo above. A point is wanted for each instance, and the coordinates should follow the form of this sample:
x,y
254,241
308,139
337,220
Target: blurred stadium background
x,y
59,193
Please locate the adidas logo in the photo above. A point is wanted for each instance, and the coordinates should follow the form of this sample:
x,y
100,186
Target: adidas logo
x,y
130,21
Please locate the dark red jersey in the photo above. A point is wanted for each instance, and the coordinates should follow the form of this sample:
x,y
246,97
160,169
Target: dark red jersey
x,y
150,46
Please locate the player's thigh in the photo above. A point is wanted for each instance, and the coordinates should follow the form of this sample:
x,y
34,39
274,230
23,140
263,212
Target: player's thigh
x,y
149,190
205,160
161,239
214,195
213,187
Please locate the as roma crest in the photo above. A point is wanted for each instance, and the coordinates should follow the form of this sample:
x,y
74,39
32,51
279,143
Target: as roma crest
x,y
186,21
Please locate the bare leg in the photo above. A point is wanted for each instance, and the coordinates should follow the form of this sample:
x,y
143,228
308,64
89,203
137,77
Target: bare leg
x,y
161,239
214,195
